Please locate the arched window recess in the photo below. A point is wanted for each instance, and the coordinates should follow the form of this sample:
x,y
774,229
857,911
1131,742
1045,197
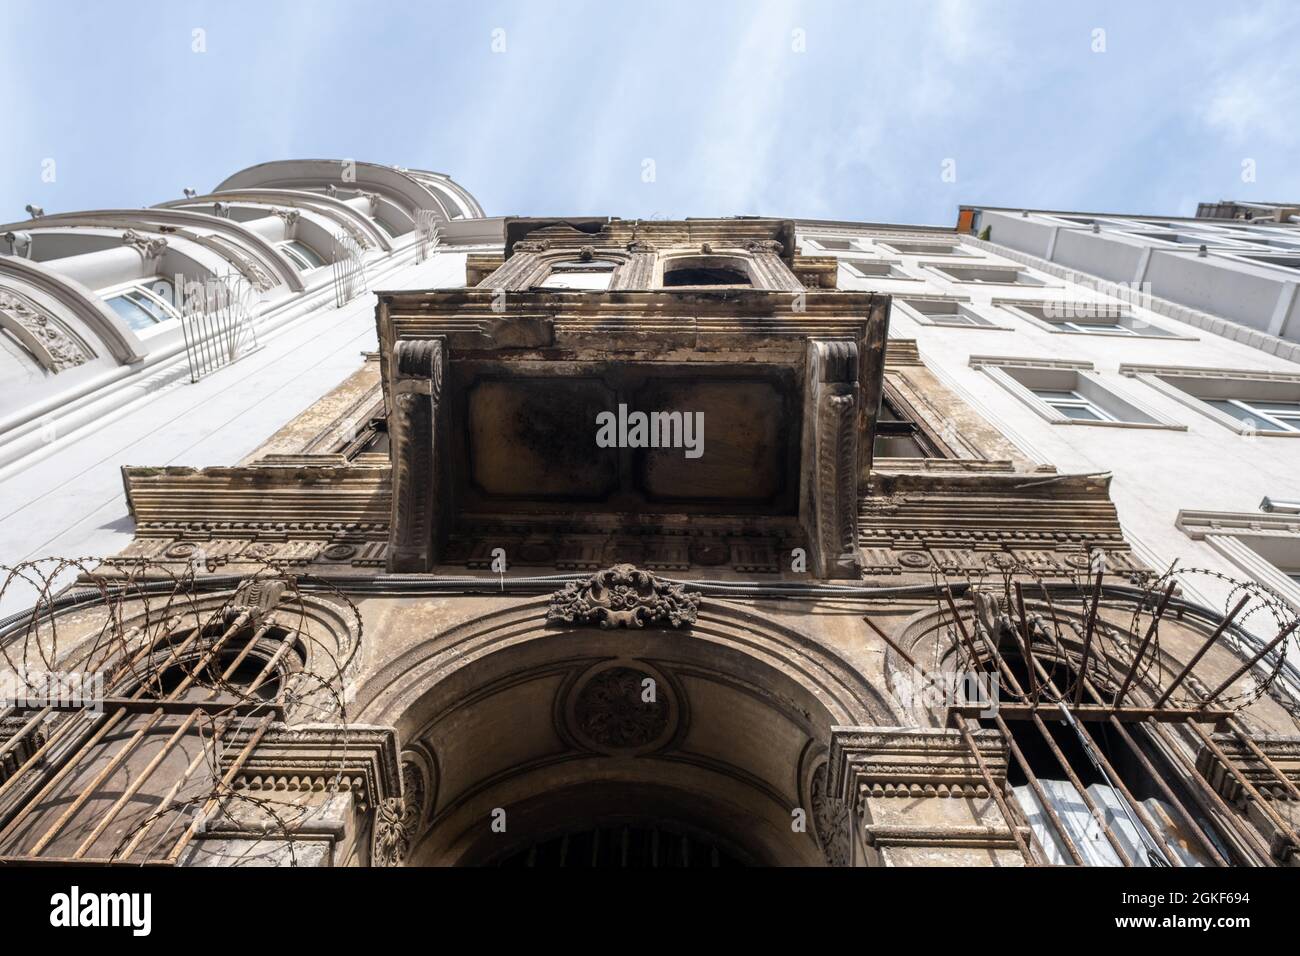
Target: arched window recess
x,y
1107,737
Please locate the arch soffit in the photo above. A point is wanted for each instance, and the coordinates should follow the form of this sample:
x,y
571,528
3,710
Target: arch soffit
x,y
394,694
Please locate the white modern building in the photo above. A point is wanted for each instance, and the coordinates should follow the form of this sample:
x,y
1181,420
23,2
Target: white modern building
x,y
187,332
1089,342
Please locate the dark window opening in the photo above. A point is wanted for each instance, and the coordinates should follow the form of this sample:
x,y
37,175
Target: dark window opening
x,y
235,669
898,436
701,270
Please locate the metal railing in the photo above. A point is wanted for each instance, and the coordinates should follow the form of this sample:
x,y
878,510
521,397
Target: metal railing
x,y
349,269
426,227
216,319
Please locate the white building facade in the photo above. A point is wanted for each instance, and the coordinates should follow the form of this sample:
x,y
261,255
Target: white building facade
x,y
1086,347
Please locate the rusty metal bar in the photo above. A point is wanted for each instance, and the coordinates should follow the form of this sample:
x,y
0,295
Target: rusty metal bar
x,y
1264,758
1194,781
1037,787
1282,825
1282,636
1245,831
1196,658
165,803
1165,715
135,786
1026,642
147,772
1188,818
892,645
1089,627
1151,827
1151,633
155,714
263,725
1069,771
995,792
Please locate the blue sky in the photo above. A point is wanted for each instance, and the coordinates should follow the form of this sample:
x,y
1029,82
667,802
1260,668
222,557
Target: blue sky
x,y
818,109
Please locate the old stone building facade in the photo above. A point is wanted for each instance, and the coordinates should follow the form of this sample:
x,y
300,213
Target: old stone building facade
x,y
817,606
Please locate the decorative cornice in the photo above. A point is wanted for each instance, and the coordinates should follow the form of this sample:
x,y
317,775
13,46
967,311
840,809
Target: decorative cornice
x,y
1007,361
624,596
911,762
1216,374
320,757
1197,524
1282,751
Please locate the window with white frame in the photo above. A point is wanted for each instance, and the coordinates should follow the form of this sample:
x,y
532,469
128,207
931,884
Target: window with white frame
x,y
986,275
830,244
1266,546
936,311
1086,319
143,305
940,248
1279,416
1253,403
303,256
1070,393
1073,405
876,269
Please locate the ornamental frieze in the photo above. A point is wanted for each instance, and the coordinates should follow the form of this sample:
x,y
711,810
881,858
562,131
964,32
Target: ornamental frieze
x,y
624,596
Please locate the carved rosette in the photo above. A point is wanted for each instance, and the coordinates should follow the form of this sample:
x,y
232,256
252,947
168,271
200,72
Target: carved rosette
x,y
624,596
611,711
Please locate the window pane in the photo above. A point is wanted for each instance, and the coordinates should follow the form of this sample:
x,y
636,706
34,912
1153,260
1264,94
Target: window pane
x,y
310,255
1051,395
1243,414
132,313
898,446
1080,413
150,305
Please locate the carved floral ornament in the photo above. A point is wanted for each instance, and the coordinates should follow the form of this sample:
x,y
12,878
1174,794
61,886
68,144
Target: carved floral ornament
x,y
398,820
62,349
624,596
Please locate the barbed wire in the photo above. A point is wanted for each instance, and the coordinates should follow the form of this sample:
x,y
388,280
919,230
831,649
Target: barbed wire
x,y
257,652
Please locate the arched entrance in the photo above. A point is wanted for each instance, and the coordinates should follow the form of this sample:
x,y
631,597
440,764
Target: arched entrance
x,y
537,745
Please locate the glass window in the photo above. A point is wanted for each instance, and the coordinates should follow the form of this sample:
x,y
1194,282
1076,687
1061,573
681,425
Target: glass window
x,y
141,308
391,230
1096,328
897,436
1072,405
1265,415
303,255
